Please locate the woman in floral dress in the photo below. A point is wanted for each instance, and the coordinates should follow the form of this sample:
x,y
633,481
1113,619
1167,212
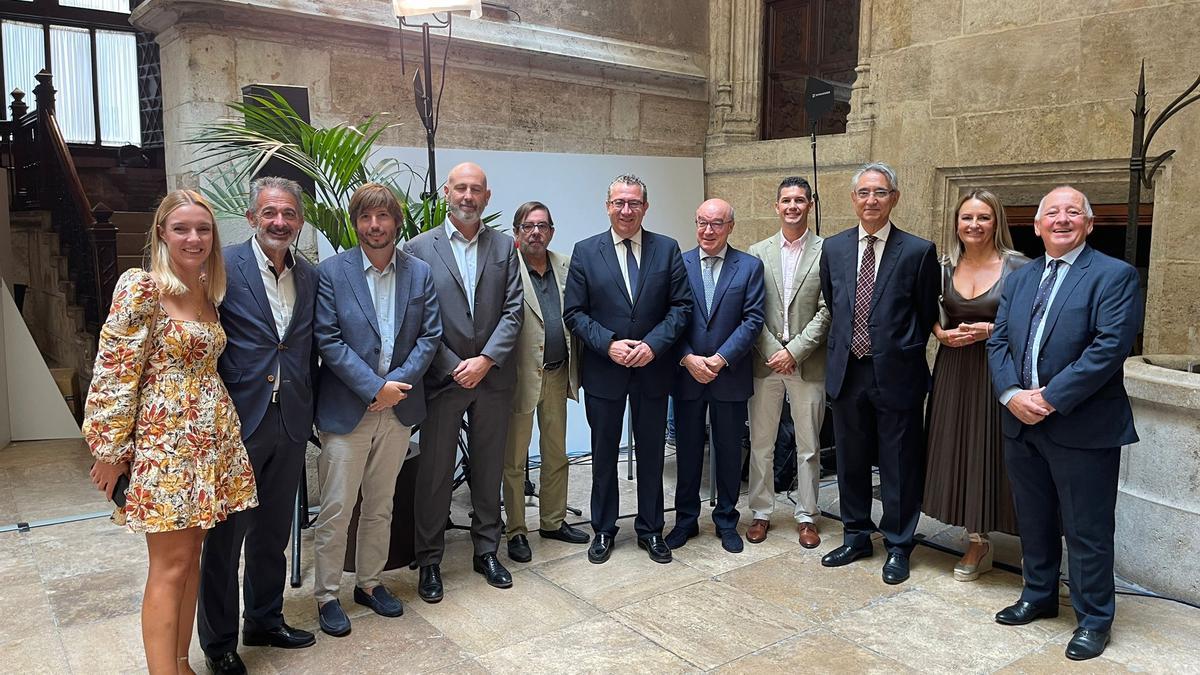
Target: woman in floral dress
x,y
158,411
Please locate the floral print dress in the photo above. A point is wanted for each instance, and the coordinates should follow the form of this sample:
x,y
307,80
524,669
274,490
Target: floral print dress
x,y
157,402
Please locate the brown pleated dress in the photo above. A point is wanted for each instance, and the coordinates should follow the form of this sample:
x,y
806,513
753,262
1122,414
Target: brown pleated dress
x,y
966,483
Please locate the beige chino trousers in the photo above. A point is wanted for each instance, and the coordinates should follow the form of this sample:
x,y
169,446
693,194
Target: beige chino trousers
x,y
807,401
552,440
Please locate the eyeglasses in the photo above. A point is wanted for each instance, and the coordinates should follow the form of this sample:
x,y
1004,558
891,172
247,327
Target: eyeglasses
x,y
878,193
540,225
620,204
714,225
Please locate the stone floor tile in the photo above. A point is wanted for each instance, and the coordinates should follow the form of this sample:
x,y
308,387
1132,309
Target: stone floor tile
x,y
1154,636
87,598
815,651
18,564
108,646
482,619
628,576
468,667
989,594
705,554
103,550
1051,659
597,645
37,654
924,632
376,644
684,621
25,611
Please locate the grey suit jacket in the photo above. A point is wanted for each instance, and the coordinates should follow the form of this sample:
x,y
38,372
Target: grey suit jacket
x,y
532,342
493,329
808,317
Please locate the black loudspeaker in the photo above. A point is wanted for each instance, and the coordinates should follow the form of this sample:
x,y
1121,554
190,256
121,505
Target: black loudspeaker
x,y
297,97
818,99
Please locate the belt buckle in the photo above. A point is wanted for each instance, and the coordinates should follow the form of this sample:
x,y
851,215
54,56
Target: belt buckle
x,y
275,396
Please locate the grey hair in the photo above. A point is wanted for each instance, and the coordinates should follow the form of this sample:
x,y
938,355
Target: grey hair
x,y
276,183
878,167
1087,205
731,218
628,179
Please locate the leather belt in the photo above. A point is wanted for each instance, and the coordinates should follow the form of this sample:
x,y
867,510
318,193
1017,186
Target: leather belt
x,y
554,366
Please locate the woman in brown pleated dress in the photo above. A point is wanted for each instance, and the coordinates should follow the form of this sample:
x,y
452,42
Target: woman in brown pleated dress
x,y
965,480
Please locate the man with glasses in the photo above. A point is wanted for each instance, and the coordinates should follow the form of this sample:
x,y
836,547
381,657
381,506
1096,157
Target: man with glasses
x,y
546,377
789,360
714,376
628,301
881,285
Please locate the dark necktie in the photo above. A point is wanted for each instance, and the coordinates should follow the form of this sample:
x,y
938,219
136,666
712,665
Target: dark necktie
x,y
631,266
1039,310
860,334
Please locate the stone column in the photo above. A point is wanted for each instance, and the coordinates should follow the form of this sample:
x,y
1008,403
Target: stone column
x,y
735,87
862,105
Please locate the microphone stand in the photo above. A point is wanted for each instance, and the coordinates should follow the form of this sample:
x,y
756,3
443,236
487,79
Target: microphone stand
x,y
815,196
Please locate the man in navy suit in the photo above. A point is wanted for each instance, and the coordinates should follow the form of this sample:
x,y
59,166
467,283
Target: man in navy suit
x,y
715,373
628,301
881,285
267,365
1065,325
378,328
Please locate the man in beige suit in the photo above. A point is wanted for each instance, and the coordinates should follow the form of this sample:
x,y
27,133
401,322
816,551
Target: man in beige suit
x,y
546,377
789,358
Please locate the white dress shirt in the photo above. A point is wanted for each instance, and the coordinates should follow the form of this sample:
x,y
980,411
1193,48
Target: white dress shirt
x,y
466,255
281,291
618,242
382,286
881,236
716,264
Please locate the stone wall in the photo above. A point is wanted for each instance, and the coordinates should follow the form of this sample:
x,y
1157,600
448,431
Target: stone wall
x,y
1018,96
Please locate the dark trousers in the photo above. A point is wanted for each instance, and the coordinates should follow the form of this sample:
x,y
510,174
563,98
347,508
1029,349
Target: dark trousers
x,y
867,432
277,461
1048,480
728,420
487,414
605,416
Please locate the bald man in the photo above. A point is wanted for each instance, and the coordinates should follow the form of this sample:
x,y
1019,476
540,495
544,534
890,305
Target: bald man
x,y
477,277
715,374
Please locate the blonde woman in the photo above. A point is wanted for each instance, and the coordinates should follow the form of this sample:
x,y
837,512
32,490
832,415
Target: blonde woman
x,y
158,412
966,483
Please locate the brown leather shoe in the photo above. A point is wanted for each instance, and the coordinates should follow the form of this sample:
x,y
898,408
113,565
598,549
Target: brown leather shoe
x,y
808,535
758,531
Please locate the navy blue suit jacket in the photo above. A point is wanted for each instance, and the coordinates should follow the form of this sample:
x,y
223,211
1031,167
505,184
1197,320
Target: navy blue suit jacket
x,y
597,309
904,309
1089,331
730,329
348,336
254,351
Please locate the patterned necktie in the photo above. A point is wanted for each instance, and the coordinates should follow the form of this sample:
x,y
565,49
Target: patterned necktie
x,y
860,336
1039,311
709,284
631,266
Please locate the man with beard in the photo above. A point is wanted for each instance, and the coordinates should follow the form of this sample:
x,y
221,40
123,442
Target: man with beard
x,y
546,376
478,281
378,327
267,364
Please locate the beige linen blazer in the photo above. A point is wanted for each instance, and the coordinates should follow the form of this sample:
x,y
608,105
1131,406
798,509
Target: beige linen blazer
x,y
808,316
532,340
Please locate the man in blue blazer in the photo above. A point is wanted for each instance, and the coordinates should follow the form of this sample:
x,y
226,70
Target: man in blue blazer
x,y
628,301
1065,325
881,285
715,373
378,328
267,366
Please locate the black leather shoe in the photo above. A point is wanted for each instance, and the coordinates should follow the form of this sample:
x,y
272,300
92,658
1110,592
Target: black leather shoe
x,y
844,555
895,570
333,619
600,549
518,549
571,535
656,547
429,584
731,541
1087,644
284,637
228,663
489,566
678,536
380,600
1023,612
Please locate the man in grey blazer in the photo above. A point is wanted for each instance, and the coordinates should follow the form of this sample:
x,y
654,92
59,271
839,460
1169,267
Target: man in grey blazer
x,y
789,359
377,329
547,376
473,374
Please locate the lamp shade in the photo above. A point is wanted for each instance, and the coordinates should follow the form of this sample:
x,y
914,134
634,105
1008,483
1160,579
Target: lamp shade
x,y
403,8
